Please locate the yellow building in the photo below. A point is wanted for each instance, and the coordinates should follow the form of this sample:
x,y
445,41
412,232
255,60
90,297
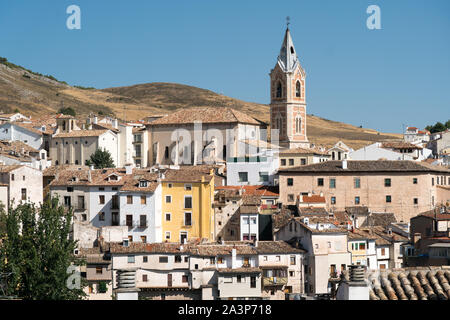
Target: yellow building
x,y
187,204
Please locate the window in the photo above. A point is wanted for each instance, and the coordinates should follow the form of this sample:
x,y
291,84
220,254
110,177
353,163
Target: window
x,y
243,176
283,162
279,92
253,220
302,161
145,259
239,278
388,199
291,162
143,199
98,270
67,201
188,202
383,251
24,194
129,199
129,219
332,183
414,180
163,259
290,181
12,177
130,259
166,153
252,282
177,259
219,260
320,182
362,246
357,183
184,279
101,199
387,182
264,176
101,216
168,199
168,216
69,189
212,260
432,181
167,235
298,89
292,260
187,218
143,221
357,200
144,278
188,187
143,184
290,198
416,201
333,200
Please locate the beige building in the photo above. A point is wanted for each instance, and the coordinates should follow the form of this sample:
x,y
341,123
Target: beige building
x,y
327,255
196,135
301,156
73,146
24,184
404,188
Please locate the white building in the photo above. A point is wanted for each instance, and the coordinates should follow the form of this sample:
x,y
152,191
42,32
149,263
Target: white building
x,y
24,184
16,131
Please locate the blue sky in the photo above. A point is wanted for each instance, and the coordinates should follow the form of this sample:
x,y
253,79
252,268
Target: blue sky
x,y
376,78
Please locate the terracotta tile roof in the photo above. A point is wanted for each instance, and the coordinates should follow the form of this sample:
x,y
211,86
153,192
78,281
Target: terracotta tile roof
x,y
80,133
64,116
383,219
189,174
418,283
435,213
53,170
102,126
139,247
9,168
303,211
342,217
206,115
357,210
314,198
16,145
239,270
365,166
263,191
400,145
248,209
132,182
276,247
302,151
210,250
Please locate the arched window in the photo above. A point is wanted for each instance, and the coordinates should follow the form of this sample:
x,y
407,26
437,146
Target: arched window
x,y
279,124
279,90
298,124
298,89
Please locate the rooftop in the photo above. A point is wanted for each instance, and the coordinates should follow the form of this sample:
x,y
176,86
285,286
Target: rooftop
x,y
366,166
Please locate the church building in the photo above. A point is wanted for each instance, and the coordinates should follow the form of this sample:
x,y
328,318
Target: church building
x,y
287,97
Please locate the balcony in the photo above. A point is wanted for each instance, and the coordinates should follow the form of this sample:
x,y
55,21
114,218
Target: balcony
x,y
274,281
115,206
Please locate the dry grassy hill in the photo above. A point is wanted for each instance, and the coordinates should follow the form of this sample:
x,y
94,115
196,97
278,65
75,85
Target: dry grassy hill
x,y
37,95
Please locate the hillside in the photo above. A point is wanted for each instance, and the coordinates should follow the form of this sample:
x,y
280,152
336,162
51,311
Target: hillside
x,y
37,95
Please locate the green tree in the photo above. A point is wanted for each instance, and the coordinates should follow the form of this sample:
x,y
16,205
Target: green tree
x,y
36,252
447,124
101,159
69,111
438,127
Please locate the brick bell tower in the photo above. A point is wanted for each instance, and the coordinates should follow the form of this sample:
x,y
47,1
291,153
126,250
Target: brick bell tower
x,y
287,97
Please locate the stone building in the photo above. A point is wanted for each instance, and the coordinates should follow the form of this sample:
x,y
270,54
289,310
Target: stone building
x,y
405,188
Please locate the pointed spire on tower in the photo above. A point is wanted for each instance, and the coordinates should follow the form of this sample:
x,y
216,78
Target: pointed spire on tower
x,y
288,56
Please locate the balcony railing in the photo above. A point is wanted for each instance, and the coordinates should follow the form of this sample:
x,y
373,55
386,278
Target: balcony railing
x,y
274,281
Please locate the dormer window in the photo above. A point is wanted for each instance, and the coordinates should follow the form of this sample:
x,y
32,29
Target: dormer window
x,y
113,177
292,50
143,183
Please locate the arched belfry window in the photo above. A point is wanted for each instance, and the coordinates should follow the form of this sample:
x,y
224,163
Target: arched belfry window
x,y
298,89
298,124
279,90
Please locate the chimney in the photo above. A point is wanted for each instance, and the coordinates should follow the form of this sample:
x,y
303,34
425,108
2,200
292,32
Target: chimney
x,y
356,288
321,193
344,164
233,259
128,169
115,124
95,119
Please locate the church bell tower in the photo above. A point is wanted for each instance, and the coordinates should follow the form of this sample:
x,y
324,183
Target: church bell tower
x,y
287,97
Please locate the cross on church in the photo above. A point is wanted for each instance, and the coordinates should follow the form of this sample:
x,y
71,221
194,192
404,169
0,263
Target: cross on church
x,y
288,19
